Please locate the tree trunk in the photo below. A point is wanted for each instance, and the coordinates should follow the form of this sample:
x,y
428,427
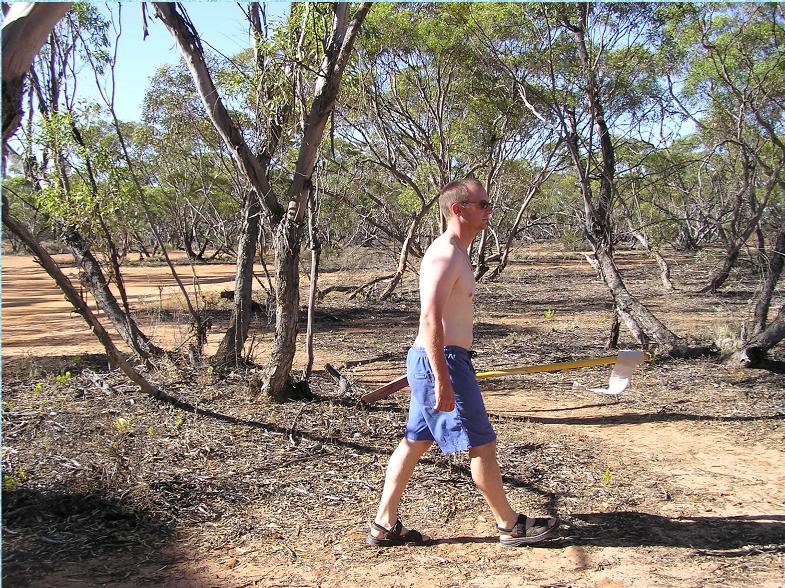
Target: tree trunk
x,y
115,357
722,270
612,342
665,270
534,188
277,382
402,258
773,270
92,277
756,349
597,220
231,347
288,226
639,319
482,266
316,250
640,236
191,50
406,247
25,29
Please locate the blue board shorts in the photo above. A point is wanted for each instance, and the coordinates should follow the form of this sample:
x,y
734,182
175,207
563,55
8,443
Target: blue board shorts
x,y
467,425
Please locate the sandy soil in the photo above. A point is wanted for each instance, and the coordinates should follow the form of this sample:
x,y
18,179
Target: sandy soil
x,y
680,483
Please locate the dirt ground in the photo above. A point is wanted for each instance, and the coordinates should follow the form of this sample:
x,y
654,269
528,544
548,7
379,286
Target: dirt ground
x,y
681,482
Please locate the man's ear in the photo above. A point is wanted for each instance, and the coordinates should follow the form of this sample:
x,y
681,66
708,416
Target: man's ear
x,y
456,208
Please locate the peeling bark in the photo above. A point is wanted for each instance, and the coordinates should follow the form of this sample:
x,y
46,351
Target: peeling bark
x,y
25,29
92,278
277,381
230,349
287,225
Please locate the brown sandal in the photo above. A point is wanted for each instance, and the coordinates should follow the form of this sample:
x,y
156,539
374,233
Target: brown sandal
x,y
392,537
528,531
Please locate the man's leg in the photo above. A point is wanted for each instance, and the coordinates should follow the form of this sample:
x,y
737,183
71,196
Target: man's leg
x,y
488,479
399,470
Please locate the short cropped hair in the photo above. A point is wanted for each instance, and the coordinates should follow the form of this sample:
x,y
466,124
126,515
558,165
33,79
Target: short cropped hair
x,y
455,192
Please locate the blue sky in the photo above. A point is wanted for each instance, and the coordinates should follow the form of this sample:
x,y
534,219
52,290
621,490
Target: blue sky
x,y
221,25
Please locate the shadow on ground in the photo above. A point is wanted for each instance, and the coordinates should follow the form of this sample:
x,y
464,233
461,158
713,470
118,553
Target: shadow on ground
x,y
42,531
639,529
717,536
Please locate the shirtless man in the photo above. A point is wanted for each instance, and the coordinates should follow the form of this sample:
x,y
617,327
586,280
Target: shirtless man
x,y
446,405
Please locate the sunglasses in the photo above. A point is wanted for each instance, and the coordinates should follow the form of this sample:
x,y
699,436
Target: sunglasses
x,y
484,204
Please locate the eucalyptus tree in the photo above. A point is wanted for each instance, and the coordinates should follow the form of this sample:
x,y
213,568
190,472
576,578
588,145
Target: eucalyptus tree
x,y
733,87
186,160
731,81
590,74
423,109
332,54
400,112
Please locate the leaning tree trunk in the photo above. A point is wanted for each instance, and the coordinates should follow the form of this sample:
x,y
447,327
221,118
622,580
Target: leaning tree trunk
x,y
115,357
720,273
773,272
231,347
92,277
638,318
597,218
404,256
482,265
640,236
722,270
756,349
287,228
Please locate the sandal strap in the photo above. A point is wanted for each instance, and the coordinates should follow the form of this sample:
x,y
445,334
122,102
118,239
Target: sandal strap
x,y
521,521
524,524
394,531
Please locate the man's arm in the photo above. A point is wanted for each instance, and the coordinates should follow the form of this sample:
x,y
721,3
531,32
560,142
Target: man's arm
x,y
438,275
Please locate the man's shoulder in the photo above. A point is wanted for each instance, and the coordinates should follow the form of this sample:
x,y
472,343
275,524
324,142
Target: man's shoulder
x,y
442,256
442,246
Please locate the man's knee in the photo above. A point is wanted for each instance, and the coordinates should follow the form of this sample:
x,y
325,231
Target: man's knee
x,y
410,446
486,450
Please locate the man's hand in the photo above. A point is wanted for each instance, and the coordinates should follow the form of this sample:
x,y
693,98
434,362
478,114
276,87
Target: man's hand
x,y
445,397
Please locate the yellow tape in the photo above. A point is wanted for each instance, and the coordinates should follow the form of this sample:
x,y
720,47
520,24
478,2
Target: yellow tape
x,y
549,367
